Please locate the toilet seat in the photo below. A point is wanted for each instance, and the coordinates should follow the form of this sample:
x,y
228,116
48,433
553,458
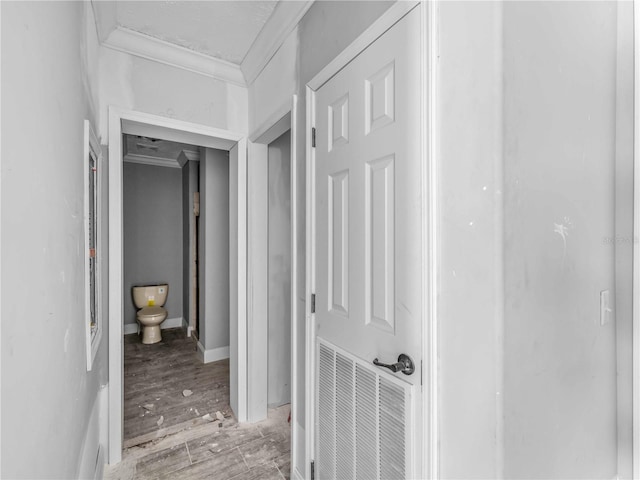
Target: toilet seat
x,y
150,312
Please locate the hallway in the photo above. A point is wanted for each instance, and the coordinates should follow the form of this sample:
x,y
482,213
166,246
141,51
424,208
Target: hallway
x,y
172,433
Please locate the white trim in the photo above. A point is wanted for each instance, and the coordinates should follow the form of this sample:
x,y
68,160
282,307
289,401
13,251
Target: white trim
x,y
257,320
430,226
92,147
280,24
636,246
141,45
384,23
296,475
155,161
213,354
124,121
295,354
379,27
176,322
277,123
309,419
98,473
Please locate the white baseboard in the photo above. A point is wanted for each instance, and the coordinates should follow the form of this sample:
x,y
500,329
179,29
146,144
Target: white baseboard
x,y
98,474
213,355
168,323
91,462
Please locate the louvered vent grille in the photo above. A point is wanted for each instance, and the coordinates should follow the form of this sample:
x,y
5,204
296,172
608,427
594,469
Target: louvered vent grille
x,y
361,418
326,414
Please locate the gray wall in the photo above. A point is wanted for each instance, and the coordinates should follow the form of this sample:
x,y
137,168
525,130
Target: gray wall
x,y
559,161
48,398
152,218
214,249
189,186
279,272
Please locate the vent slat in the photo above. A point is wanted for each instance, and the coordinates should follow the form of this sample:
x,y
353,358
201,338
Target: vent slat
x,y
366,430
361,419
392,431
326,413
344,417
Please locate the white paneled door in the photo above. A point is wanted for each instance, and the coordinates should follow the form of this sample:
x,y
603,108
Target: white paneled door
x,y
368,260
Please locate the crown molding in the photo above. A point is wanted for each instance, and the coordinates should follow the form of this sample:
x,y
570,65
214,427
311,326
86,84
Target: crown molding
x,y
193,156
281,23
140,45
162,161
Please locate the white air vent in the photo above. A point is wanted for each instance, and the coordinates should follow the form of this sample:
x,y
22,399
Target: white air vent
x,y
361,417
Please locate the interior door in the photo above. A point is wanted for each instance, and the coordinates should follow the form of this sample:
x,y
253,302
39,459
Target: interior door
x,y
368,257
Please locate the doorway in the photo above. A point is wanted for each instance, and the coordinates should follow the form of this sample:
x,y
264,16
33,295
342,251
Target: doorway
x,y
152,126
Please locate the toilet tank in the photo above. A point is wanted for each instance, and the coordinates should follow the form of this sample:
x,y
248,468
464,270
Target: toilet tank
x,y
150,295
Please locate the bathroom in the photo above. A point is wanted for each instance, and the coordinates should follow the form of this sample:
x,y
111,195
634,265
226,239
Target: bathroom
x,y
176,201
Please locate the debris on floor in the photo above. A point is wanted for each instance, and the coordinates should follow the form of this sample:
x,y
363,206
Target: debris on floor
x,y
208,418
148,406
160,420
219,416
187,393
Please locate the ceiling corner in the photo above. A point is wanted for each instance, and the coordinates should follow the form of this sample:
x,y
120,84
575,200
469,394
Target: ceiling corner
x,y
281,23
145,46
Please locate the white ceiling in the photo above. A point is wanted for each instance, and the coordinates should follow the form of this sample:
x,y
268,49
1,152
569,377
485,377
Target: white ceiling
x,y
228,40
220,29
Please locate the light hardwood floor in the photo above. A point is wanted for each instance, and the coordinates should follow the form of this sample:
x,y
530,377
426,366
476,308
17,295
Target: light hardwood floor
x,y
190,442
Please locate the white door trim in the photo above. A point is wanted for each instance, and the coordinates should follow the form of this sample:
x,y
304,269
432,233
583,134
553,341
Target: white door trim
x,y
128,121
429,34
636,245
285,118
310,222
429,432
394,13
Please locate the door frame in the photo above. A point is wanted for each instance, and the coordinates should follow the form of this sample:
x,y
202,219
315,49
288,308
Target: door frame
x,y
428,434
282,119
129,121
636,244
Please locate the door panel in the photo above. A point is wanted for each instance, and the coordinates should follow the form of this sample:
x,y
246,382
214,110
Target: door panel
x,y
368,255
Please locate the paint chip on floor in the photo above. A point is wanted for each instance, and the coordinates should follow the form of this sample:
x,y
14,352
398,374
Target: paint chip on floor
x,y
208,418
160,420
187,393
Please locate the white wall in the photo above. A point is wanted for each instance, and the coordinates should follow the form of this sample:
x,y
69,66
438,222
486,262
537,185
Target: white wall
x,y
469,301
153,247
279,272
272,90
624,236
527,149
143,85
47,92
559,161
214,251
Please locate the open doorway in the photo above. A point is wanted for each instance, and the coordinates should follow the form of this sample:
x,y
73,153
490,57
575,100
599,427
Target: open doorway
x,y
179,378
151,126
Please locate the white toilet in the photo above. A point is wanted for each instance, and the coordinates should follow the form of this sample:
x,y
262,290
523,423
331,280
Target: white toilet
x,y
150,299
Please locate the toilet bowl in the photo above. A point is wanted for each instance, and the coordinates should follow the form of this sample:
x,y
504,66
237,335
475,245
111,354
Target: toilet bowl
x,y
150,300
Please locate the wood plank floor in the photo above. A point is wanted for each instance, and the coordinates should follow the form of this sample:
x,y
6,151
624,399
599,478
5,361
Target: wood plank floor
x,y
170,435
